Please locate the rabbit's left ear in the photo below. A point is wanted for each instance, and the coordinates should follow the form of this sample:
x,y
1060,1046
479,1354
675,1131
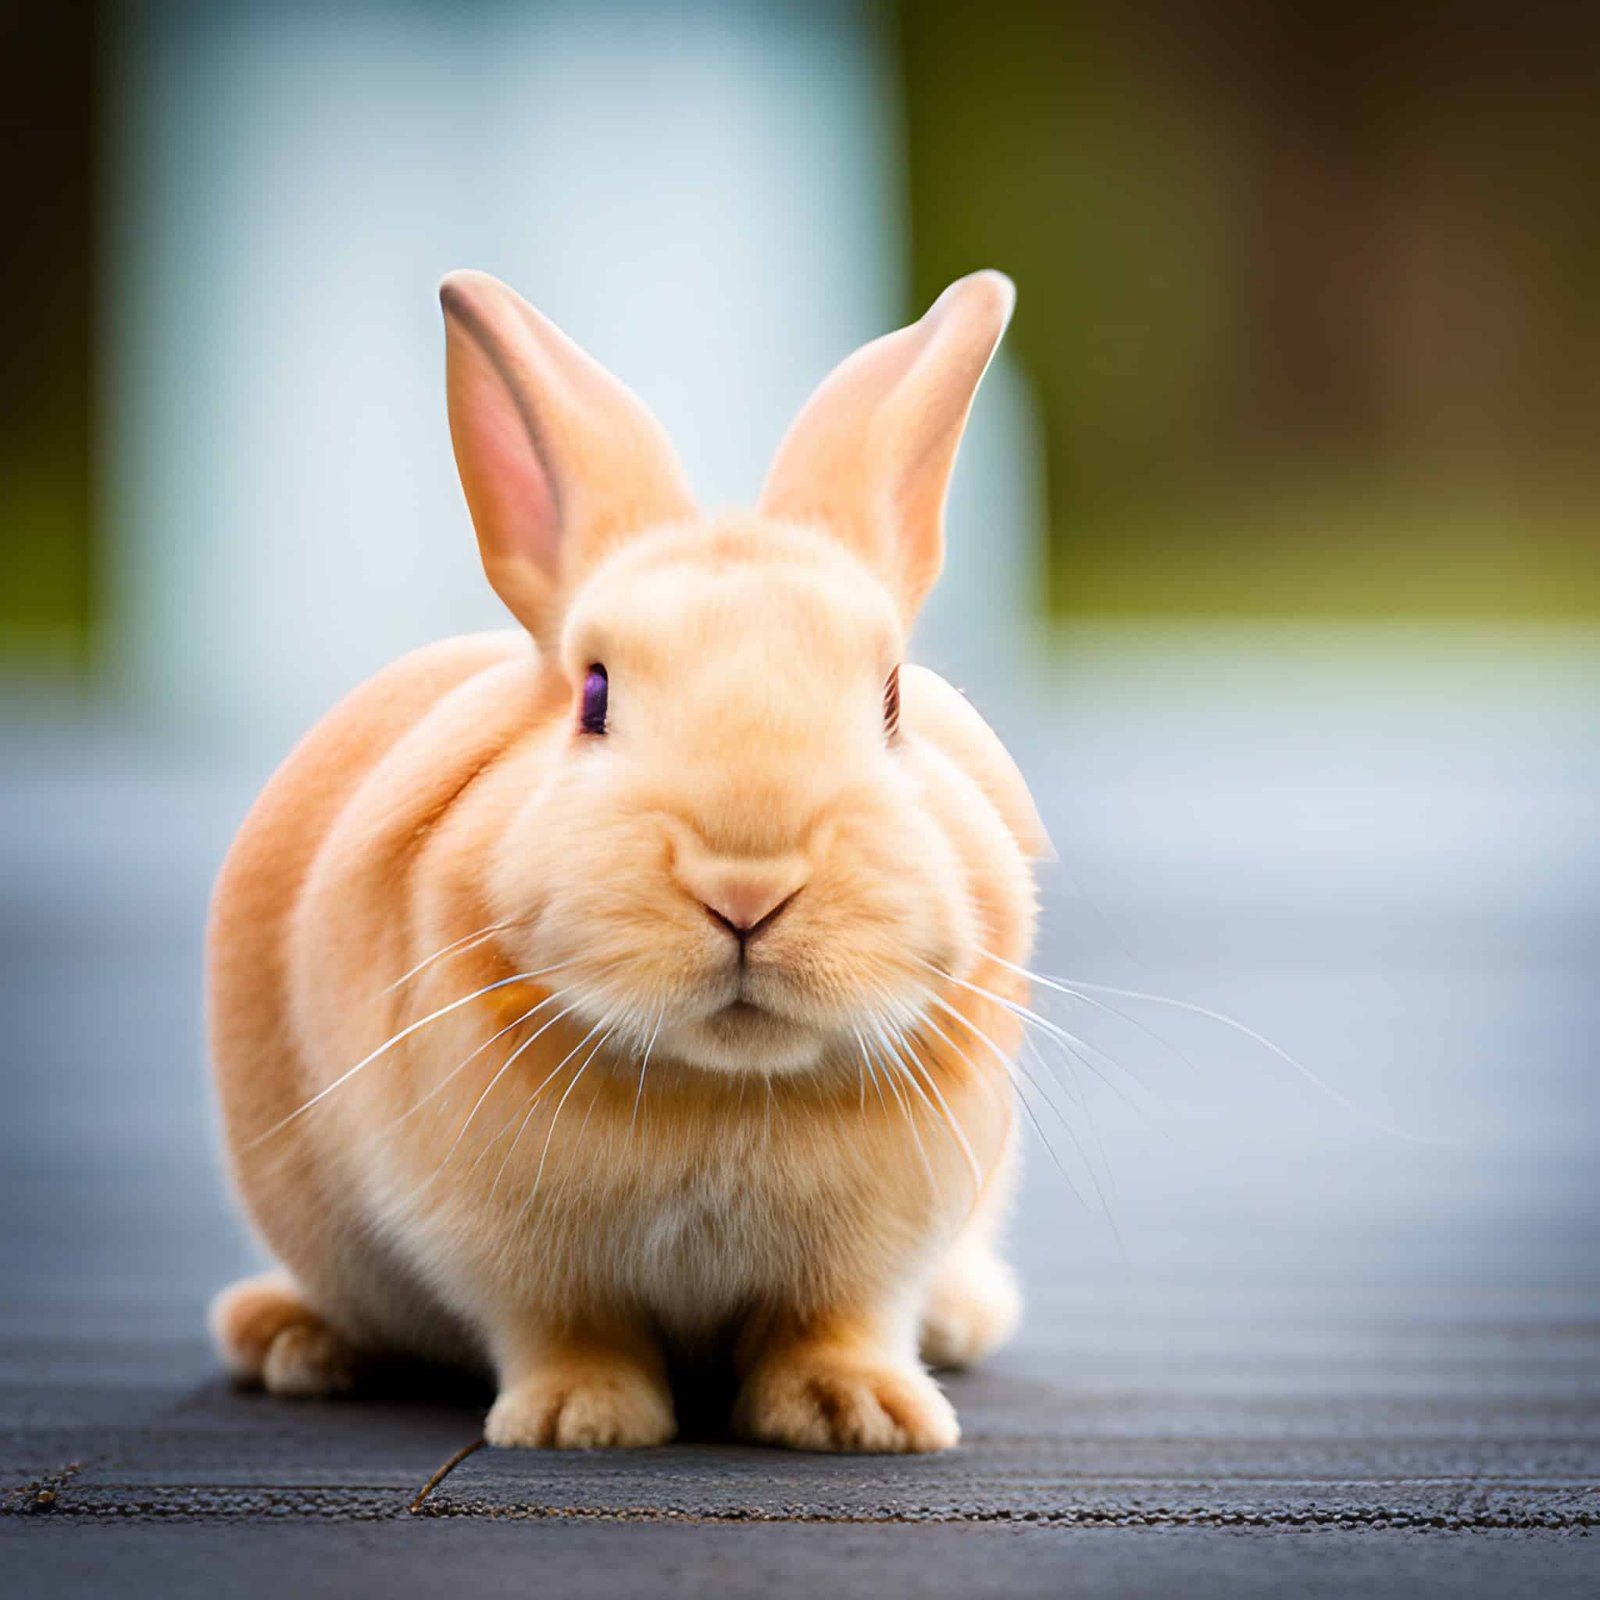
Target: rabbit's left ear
x,y
870,455
558,459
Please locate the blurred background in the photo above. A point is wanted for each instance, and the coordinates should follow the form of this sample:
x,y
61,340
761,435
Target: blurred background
x,y
1275,550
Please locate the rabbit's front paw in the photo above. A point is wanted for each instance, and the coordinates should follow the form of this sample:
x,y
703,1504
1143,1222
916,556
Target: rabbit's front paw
x,y
598,1408
816,1400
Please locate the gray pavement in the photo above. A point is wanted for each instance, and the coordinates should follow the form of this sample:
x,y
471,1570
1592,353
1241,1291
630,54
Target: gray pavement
x,y
791,1561
1454,1452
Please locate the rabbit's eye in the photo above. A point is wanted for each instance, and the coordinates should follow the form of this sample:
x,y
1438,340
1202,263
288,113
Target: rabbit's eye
x,y
596,687
891,704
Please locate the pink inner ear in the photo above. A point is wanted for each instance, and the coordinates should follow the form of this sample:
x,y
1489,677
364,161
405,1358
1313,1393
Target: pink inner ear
x,y
509,490
516,484
556,457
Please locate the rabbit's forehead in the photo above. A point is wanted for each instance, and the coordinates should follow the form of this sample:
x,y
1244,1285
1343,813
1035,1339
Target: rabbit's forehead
x,y
714,602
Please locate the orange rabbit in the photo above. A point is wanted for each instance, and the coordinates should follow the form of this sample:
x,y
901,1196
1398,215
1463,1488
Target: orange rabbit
x,y
596,992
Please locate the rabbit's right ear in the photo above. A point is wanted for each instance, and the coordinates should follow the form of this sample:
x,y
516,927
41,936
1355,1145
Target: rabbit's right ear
x,y
558,459
870,455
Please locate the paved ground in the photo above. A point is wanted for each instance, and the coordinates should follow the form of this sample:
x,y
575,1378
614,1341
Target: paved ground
x,y
515,1559
1303,1356
1450,1452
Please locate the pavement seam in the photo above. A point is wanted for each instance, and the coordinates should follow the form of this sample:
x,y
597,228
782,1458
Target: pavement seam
x,y
1153,1517
235,1505
39,1494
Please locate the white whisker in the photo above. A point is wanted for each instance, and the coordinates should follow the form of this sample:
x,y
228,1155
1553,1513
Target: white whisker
x,y
892,1076
1011,1067
466,1061
916,1067
1079,1049
871,1070
394,1039
505,1066
555,1116
1079,1098
638,1094
1072,989
469,941
532,1104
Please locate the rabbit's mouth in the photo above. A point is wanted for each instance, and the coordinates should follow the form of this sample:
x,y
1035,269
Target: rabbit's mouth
x,y
744,1035
742,1016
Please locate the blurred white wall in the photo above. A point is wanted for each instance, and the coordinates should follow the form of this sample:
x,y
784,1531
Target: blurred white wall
x,y
706,196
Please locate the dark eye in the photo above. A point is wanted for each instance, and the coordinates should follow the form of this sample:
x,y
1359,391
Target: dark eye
x,y
891,704
596,686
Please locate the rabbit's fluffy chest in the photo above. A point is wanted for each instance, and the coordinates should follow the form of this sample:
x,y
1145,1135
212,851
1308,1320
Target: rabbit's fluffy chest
x,y
696,1235
711,1236
696,1249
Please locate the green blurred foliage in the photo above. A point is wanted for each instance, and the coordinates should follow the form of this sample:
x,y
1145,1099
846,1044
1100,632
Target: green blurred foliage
x,y
1306,293
46,143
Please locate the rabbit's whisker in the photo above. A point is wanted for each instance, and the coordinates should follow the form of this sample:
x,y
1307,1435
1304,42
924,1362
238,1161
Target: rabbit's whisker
x,y
1079,1050
633,1028
1064,1043
1143,1027
505,1066
1074,989
871,1058
468,941
916,1070
893,1073
394,1039
869,1070
461,1066
466,1061
555,1116
532,1104
1102,1192
1027,1079
443,1164
644,1066
1080,1100
1020,1077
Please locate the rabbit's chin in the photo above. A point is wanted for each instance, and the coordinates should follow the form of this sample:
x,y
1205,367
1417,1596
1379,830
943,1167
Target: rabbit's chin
x,y
745,1038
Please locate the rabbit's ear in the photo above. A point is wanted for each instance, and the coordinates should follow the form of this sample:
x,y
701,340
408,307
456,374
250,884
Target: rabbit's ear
x,y
558,459
870,455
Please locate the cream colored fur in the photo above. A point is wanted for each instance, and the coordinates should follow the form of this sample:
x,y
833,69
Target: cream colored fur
x,y
586,1134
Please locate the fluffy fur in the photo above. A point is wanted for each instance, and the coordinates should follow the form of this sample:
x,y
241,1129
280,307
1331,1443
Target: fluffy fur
x,y
501,1084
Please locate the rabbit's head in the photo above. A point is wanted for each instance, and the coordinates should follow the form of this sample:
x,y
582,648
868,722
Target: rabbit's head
x,y
733,841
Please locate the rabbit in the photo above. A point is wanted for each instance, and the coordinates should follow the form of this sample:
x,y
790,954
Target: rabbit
x,y
638,981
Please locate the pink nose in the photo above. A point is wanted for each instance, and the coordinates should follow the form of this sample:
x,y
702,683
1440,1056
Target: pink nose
x,y
745,896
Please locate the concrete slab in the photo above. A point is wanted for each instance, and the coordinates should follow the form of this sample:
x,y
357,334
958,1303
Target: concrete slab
x,y
688,1561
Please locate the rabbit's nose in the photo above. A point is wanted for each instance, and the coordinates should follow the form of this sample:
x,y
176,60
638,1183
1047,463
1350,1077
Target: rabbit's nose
x,y
745,897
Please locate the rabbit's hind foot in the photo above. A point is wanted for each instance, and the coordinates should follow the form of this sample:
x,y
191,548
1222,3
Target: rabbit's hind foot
x,y
269,1337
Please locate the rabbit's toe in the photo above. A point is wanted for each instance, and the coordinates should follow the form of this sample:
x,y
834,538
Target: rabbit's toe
x,y
605,1408
814,1401
266,1334
308,1360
